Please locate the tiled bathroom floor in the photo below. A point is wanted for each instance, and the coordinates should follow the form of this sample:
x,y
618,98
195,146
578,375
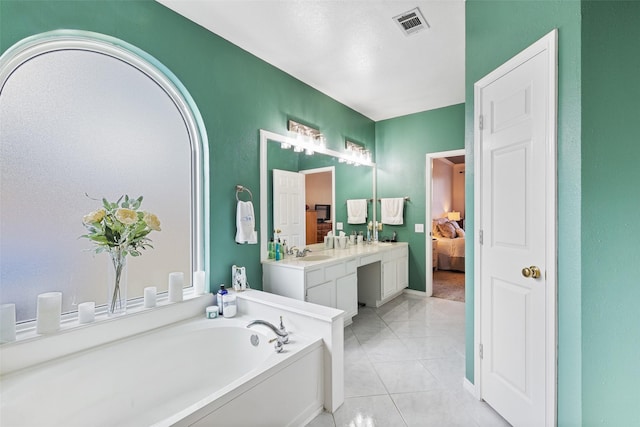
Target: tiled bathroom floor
x,y
404,365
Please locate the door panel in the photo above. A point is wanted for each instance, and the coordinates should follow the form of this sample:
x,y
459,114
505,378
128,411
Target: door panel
x,y
512,306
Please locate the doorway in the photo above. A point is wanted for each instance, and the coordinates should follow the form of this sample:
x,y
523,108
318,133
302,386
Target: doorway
x,y
445,235
319,203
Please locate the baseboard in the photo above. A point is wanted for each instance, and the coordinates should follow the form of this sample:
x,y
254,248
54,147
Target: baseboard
x,y
414,293
470,387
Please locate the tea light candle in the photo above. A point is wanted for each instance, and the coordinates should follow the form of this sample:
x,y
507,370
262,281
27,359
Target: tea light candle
x,y
150,293
199,282
176,283
49,310
7,322
86,312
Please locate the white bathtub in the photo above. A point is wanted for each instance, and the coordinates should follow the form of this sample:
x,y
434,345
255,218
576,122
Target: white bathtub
x,y
199,372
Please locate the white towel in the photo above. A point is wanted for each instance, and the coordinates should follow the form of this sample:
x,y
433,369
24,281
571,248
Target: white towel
x,y
357,211
392,211
245,223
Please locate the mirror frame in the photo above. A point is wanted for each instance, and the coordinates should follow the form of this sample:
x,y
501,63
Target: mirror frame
x,y
66,39
268,136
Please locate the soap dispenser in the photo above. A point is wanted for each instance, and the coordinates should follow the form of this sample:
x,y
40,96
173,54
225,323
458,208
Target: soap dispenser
x,y
271,249
277,249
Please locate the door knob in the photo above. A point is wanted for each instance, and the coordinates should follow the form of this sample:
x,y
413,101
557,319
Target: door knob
x,y
533,272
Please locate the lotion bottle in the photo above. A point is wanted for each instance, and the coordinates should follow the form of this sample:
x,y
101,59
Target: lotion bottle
x,y
221,293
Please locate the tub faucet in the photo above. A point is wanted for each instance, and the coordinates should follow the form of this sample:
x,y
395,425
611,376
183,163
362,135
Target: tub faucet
x,y
282,336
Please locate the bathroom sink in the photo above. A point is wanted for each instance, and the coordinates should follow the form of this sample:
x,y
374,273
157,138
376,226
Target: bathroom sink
x,y
314,258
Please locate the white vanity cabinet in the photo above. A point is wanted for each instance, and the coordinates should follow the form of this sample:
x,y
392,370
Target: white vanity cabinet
x,y
372,274
333,284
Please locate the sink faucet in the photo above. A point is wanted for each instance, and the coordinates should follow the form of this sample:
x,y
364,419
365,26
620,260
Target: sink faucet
x,y
301,253
282,336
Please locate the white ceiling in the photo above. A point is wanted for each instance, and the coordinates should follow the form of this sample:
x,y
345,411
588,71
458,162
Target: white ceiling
x,y
351,50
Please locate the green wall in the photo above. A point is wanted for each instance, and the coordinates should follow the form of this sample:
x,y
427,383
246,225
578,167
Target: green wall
x,y
401,147
237,95
495,32
598,328
610,195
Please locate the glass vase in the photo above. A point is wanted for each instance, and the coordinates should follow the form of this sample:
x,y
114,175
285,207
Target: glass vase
x,y
117,283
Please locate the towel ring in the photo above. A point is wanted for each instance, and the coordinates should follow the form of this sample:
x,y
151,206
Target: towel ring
x,y
240,189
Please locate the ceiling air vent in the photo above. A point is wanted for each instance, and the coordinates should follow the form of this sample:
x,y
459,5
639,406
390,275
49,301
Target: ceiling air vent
x,y
411,22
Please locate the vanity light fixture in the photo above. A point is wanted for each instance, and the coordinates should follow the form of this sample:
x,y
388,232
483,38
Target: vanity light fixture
x,y
306,139
301,131
357,153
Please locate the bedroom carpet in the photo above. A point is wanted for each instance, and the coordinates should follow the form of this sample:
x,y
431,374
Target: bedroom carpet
x,y
448,285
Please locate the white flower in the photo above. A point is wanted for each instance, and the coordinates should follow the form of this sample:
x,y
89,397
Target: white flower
x,y
126,216
152,221
93,217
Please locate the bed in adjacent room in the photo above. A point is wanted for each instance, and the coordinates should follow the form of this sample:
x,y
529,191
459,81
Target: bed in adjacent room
x,y
450,244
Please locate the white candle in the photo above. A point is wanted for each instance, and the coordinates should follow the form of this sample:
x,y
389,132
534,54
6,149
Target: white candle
x,y
49,310
176,283
7,322
199,282
86,312
150,296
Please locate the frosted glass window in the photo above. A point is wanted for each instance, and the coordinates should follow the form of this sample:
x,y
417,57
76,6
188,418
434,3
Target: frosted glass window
x,y
75,122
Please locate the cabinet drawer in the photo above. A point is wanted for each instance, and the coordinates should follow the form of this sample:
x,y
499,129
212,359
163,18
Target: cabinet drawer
x,y
334,271
315,277
394,254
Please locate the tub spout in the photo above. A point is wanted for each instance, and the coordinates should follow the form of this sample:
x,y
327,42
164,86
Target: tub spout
x,y
281,332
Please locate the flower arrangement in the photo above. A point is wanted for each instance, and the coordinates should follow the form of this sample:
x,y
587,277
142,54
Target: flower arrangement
x,y
120,228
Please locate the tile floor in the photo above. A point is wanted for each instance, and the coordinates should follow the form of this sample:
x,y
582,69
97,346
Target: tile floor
x,y
404,366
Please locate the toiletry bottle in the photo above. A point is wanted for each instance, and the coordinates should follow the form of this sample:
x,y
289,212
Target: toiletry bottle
x,y
221,293
278,255
272,249
283,249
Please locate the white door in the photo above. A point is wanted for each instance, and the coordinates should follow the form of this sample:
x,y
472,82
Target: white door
x,y
517,192
288,207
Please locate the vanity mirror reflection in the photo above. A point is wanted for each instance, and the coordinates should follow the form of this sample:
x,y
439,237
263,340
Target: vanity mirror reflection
x,y
87,113
348,182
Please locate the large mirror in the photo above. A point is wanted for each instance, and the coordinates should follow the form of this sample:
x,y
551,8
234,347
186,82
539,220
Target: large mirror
x,y
328,181
87,114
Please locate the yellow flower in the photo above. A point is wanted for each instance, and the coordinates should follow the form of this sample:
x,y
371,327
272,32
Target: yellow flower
x,y
93,217
152,221
126,216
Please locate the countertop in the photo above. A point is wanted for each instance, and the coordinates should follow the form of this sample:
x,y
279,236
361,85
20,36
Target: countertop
x,y
334,255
